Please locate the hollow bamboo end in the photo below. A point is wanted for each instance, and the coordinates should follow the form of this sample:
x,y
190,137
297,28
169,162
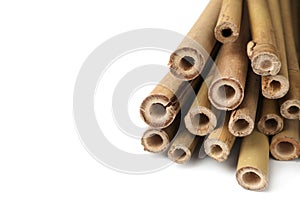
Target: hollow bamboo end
x,y
179,154
186,63
275,87
284,148
216,149
270,124
156,111
252,179
226,94
200,121
226,32
241,125
155,140
290,109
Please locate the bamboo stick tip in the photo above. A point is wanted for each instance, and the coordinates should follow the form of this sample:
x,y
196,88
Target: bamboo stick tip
x,y
186,63
241,125
284,148
156,111
155,140
275,87
226,32
216,149
290,109
179,154
252,179
270,124
200,121
226,94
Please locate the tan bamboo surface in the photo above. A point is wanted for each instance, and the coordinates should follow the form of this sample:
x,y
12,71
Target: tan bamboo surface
x,y
219,142
277,86
262,50
229,22
290,104
226,91
156,140
286,145
253,163
183,147
242,120
161,106
188,61
270,121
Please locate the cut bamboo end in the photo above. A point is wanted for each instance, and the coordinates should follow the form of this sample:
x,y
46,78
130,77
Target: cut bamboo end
x,y
157,111
227,32
252,178
155,140
240,124
226,94
186,63
270,124
264,60
200,121
290,109
275,87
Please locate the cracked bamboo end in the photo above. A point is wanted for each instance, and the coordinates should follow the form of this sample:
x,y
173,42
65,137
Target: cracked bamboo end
x,y
155,140
216,149
275,87
186,63
226,32
252,179
290,109
270,124
240,125
179,154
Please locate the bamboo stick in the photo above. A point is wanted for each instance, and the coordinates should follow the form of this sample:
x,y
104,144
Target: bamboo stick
x,y
202,117
229,22
226,91
262,50
219,143
188,61
295,5
290,104
270,121
242,120
161,106
253,163
277,86
286,145
157,140
183,147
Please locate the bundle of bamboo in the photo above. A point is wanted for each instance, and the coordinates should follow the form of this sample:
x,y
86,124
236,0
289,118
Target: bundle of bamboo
x,y
233,100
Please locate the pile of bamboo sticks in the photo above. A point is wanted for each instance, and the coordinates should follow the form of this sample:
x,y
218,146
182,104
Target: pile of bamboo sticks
x,y
251,89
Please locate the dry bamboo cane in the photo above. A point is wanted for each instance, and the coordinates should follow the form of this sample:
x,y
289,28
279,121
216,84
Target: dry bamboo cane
x,y
202,117
253,163
242,120
262,50
226,91
277,86
161,106
229,22
219,143
157,140
270,121
183,147
296,23
188,61
290,104
286,145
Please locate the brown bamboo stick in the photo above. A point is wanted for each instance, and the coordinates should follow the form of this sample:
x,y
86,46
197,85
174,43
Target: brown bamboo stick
x,y
277,86
157,140
290,104
183,147
295,5
270,121
286,145
262,50
253,163
229,22
161,106
188,61
226,91
242,120
219,143
202,117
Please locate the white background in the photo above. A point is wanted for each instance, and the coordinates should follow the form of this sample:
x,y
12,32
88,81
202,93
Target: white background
x,y
43,45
